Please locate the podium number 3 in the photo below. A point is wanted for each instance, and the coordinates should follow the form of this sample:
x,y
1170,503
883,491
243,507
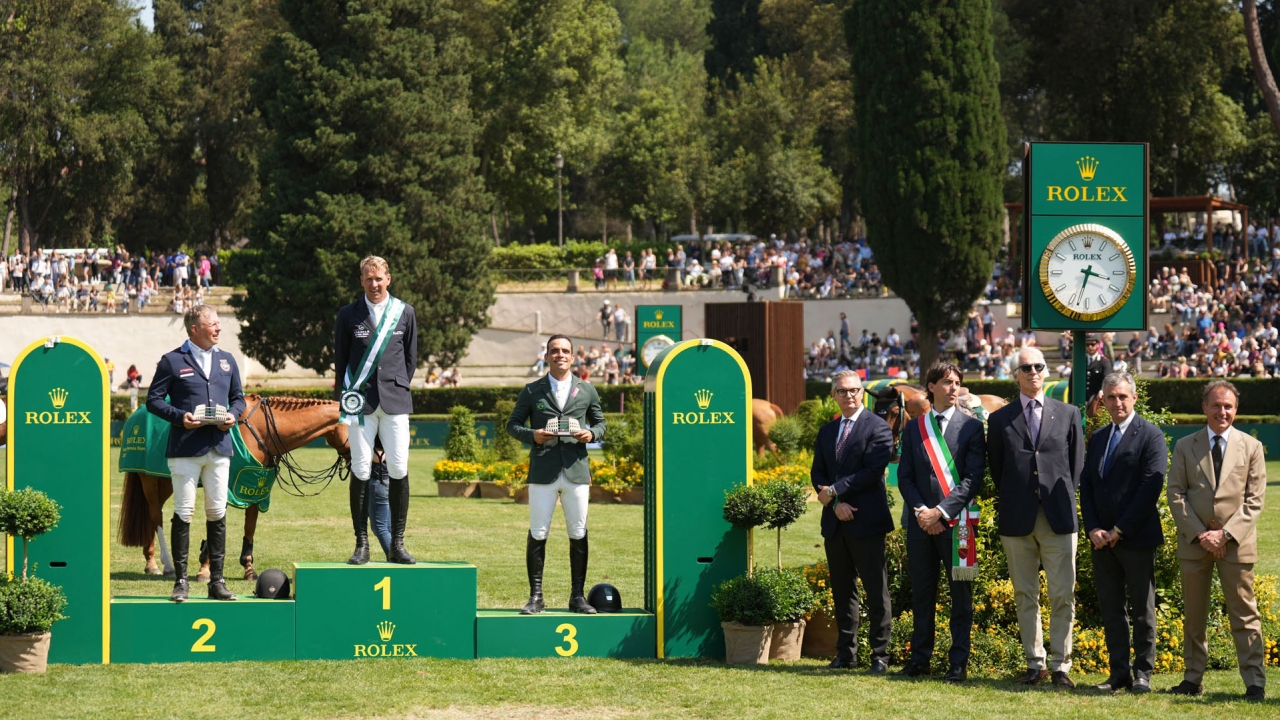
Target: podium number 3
x,y
570,643
210,628
385,587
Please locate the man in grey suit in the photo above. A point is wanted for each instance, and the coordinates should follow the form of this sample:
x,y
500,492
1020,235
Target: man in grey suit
x,y
376,347
558,466
1035,448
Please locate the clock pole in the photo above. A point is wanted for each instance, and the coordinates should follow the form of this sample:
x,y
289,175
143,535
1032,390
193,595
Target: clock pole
x,y
1079,370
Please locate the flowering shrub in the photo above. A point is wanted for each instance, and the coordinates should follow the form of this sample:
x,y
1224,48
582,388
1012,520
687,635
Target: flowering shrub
x,y
456,471
616,476
510,475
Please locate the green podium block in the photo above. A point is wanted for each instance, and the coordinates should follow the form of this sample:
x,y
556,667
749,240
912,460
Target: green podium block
x,y
382,610
507,633
157,630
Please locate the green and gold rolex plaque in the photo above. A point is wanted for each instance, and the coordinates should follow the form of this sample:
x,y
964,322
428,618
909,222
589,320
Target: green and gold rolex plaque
x,y
658,327
1086,236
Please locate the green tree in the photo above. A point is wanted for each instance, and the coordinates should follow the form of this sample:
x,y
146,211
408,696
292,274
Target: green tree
x,y
931,151
546,76
673,22
737,39
372,152
83,94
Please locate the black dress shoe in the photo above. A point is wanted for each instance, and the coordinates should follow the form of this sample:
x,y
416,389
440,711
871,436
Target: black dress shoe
x,y
879,667
912,669
957,674
1141,686
1256,693
1186,687
1032,677
1114,685
840,664
181,590
1061,680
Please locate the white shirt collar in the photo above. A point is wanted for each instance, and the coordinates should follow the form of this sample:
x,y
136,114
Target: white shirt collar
x,y
1024,399
1124,426
1225,435
856,414
947,414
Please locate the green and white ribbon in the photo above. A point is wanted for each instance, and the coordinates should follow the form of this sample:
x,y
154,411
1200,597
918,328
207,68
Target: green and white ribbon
x,y
354,388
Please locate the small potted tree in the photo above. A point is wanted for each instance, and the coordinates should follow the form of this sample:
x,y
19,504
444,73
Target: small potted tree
x,y
794,600
29,606
746,606
456,474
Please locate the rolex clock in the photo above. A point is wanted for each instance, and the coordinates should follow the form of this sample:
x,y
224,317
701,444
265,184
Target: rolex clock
x,y
1087,272
654,347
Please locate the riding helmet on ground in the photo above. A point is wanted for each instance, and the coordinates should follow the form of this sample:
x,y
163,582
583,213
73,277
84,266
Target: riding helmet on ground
x,y
272,585
605,598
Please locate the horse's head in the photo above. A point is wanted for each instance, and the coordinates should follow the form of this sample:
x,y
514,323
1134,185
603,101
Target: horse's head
x,y
339,439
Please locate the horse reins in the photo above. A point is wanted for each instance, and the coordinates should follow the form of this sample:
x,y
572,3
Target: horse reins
x,y
295,476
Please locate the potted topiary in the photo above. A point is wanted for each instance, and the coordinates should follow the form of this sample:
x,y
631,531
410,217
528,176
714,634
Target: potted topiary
x,y
747,507
746,606
794,601
28,606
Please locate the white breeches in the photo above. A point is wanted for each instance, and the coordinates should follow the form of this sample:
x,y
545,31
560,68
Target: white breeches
x,y
210,469
573,498
394,431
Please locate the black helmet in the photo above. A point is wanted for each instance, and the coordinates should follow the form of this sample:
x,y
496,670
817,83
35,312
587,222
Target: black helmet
x,y
272,585
605,598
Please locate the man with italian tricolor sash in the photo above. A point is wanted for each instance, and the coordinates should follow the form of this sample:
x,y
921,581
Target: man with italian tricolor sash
x,y
940,472
376,347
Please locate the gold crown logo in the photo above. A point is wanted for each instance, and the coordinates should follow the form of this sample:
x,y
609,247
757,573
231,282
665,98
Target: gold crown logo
x,y
59,397
386,629
1088,166
137,429
1088,241
703,397
262,482
657,314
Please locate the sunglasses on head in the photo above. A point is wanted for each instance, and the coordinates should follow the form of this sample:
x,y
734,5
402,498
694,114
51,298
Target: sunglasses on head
x,y
1032,367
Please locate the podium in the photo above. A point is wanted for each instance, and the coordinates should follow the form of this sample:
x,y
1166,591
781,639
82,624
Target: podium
x,y
551,633
157,630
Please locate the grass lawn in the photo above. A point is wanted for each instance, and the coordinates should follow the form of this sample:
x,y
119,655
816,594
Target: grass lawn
x,y
491,534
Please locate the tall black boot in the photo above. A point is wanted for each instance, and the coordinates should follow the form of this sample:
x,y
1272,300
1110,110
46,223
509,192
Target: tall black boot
x,y
217,532
398,495
578,571
535,556
180,539
360,521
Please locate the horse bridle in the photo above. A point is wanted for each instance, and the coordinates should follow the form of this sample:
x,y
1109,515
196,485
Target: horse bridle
x,y
295,476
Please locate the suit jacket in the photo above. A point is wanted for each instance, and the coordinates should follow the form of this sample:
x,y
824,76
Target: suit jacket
x,y
537,404
1028,477
1234,506
389,384
1126,497
1095,373
180,384
919,484
858,478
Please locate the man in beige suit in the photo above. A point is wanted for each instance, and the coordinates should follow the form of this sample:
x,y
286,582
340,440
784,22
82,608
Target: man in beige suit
x,y
1216,485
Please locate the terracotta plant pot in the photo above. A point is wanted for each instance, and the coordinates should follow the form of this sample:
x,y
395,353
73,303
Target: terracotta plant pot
x,y
600,495
522,495
746,644
787,641
632,496
493,491
457,488
820,636
28,653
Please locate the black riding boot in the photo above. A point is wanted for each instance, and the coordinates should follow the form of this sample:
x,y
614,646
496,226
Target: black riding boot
x,y
360,521
180,538
398,495
578,571
217,531
535,555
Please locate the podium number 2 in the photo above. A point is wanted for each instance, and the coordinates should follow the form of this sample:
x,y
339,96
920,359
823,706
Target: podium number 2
x,y
570,644
385,587
210,628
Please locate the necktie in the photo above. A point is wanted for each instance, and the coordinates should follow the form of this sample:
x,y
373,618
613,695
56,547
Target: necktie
x,y
942,421
845,425
1111,450
1033,421
1217,461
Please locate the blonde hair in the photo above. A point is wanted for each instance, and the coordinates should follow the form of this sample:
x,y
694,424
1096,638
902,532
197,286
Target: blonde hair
x,y
196,315
373,261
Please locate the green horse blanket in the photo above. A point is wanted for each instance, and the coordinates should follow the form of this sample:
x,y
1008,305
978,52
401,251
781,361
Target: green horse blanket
x,y
142,448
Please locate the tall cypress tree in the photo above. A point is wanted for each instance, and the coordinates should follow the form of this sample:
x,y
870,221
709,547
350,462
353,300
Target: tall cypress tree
x,y
372,153
930,144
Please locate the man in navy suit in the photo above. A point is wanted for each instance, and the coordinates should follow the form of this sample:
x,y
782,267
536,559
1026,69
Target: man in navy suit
x,y
374,363
935,509
1036,452
849,461
1123,477
198,373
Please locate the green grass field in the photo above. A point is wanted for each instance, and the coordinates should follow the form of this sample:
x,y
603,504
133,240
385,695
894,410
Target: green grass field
x,y
491,534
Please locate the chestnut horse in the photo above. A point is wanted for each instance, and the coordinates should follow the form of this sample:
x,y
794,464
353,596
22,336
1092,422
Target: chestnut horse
x,y
763,415
905,401
271,427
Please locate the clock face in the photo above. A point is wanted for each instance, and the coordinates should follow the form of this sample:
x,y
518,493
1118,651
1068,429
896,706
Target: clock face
x,y
1087,272
654,347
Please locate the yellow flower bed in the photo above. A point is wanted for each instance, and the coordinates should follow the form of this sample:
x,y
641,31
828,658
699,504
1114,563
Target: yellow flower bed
x,y
794,474
456,471
616,477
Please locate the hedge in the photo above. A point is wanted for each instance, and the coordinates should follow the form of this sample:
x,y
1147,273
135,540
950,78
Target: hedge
x,y
1258,396
575,254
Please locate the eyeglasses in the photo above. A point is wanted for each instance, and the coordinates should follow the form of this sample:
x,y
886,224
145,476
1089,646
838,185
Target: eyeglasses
x,y
848,392
1032,367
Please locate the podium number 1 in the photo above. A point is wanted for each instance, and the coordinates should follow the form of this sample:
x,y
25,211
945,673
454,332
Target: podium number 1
x,y
210,628
385,587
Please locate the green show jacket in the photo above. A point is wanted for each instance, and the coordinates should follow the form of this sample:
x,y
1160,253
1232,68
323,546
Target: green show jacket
x,y
537,406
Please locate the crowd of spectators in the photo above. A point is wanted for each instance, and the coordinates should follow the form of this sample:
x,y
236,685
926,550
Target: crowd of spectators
x,y
108,281
609,365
